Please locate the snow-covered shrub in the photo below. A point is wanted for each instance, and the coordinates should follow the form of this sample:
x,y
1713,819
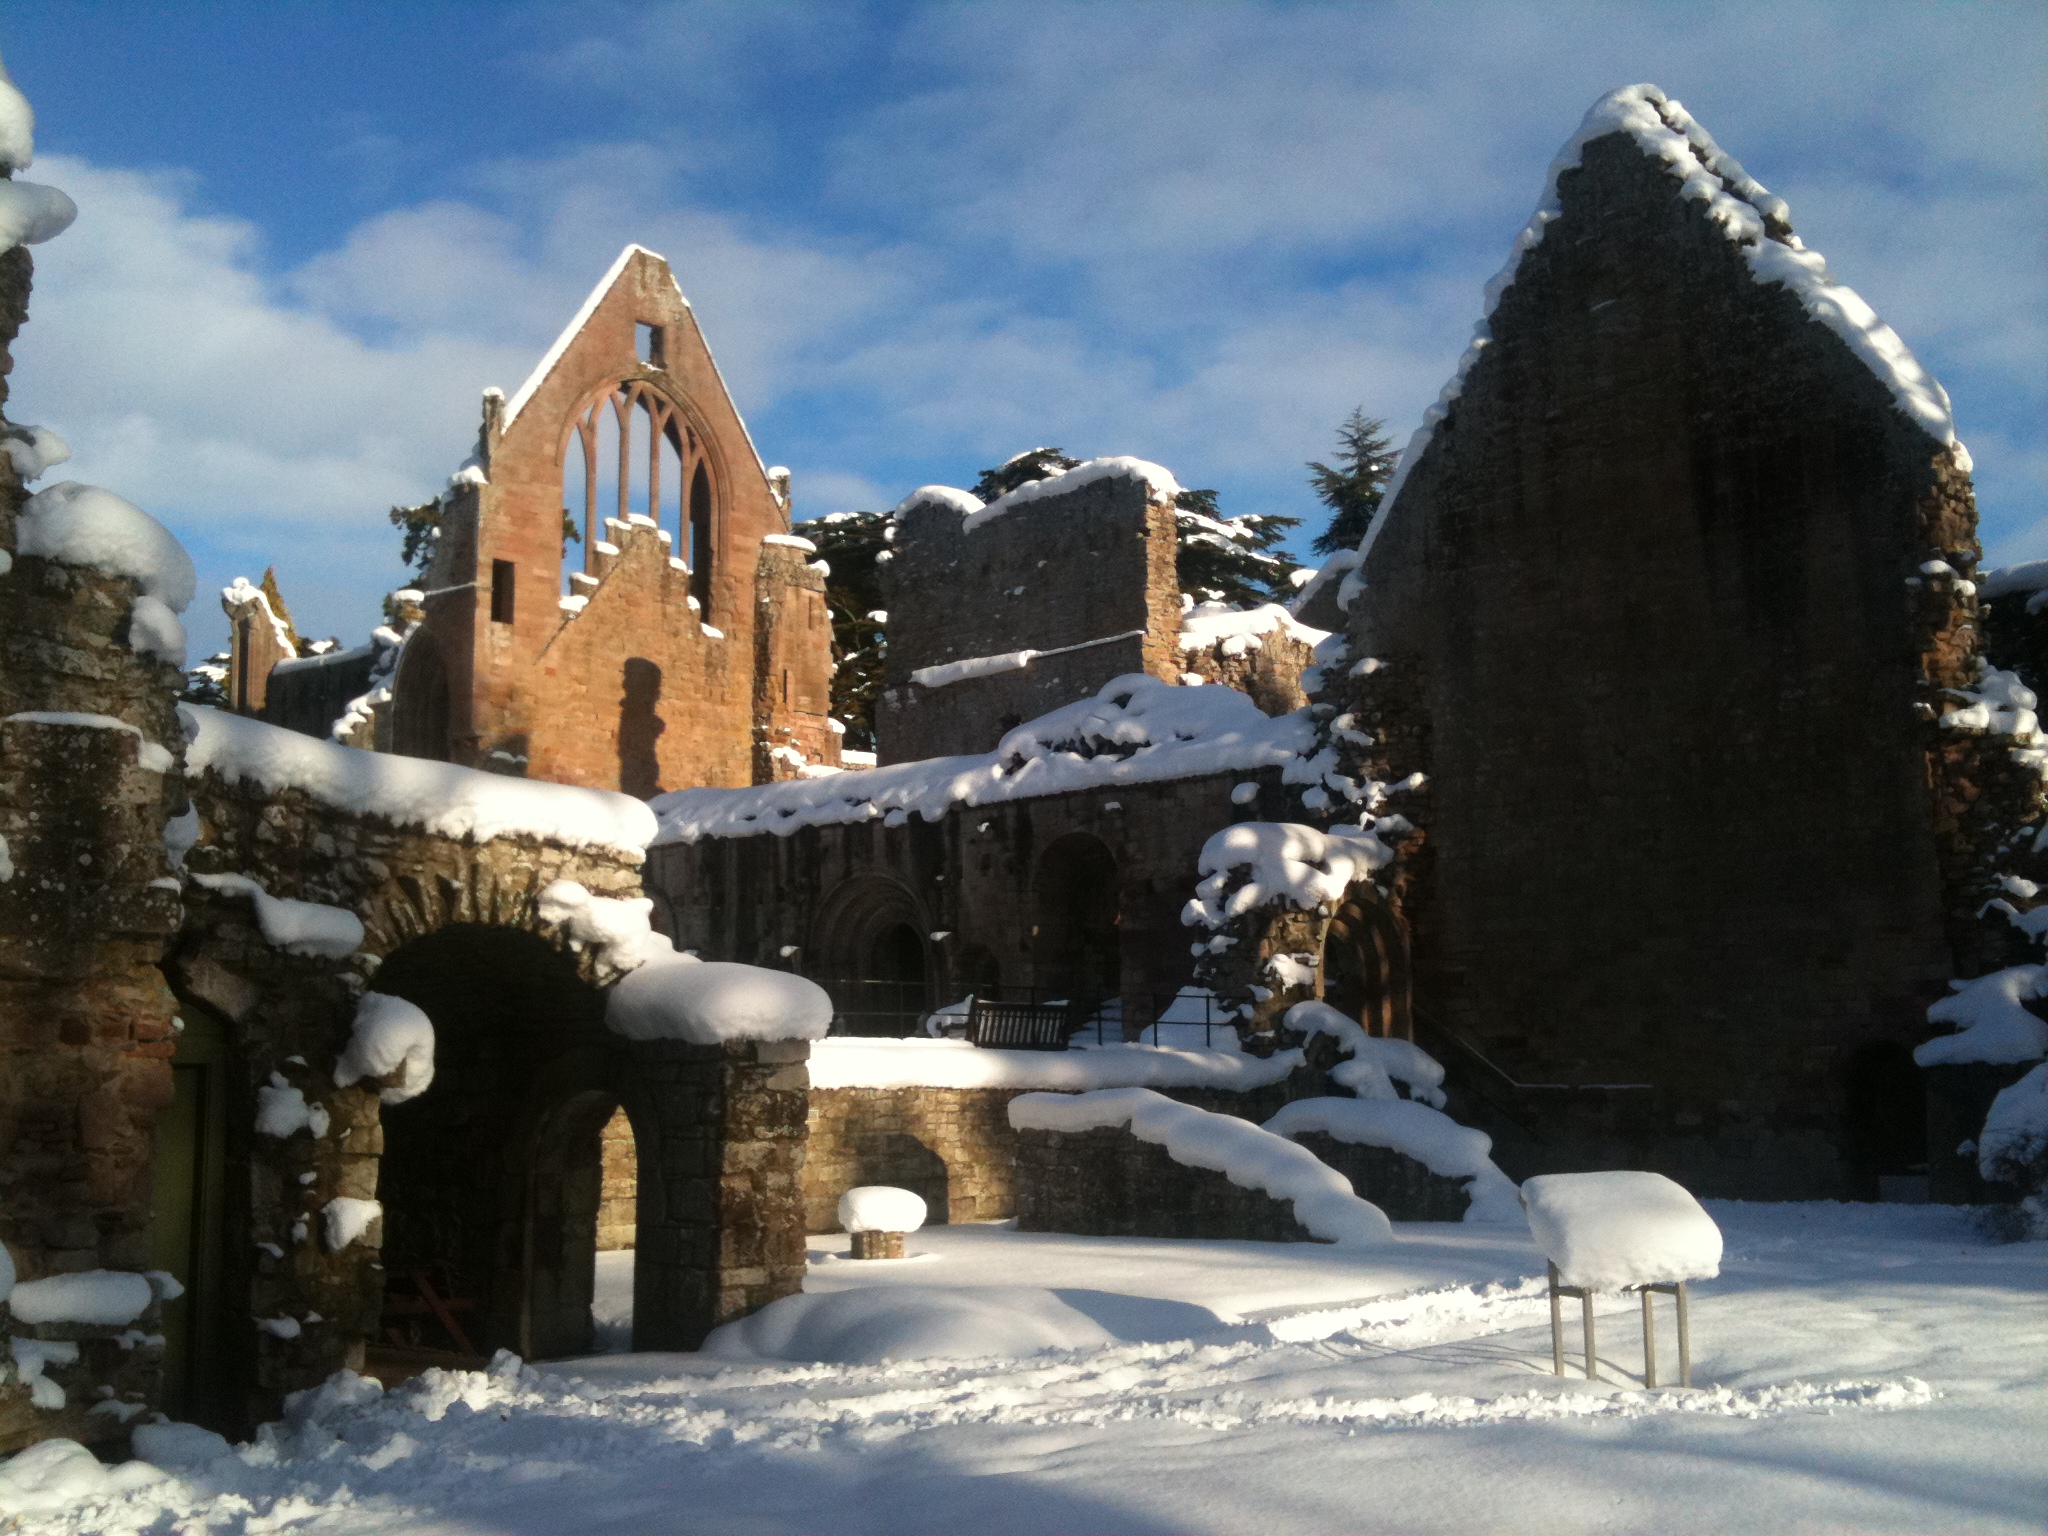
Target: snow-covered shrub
x,y
2013,1149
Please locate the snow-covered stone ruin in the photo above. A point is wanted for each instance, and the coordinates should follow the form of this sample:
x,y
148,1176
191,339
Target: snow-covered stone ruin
x,y
1658,786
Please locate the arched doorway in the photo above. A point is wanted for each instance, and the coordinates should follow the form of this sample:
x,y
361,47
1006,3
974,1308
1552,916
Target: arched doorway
x,y
1366,971
1076,940
873,956
492,1180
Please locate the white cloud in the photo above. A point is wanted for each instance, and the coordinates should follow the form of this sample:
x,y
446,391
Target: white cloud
x,y
1198,233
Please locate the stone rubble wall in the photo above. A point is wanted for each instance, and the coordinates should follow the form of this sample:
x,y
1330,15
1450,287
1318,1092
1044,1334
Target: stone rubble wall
x,y
1107,1183
87,1026
1062,570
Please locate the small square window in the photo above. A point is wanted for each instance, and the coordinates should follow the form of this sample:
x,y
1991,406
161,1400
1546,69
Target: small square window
x,y
502,572
650,345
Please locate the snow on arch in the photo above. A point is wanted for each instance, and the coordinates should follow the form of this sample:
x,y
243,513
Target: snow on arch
x,y
1754,220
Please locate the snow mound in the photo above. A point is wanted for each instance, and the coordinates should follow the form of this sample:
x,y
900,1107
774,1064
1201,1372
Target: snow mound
x,y
908,1322
31,213
437,798
1136,730
178,1445
58,1474
1605,1231
710,1001
619,923
1992,1020
1252,863
153,630
32,449
1377,1061
297,927
346,1219
83,525
854,1062
1238,630
1757,223
17,126
878,1208
1414,1130
105,1296
390,1037
2015,1133
1248,1155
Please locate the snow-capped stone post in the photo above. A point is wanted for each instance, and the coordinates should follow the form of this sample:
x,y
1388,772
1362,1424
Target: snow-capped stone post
x,y
714,1080
878,1218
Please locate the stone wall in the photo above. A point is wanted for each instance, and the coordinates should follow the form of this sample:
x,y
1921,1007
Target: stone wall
x,y
1062,570
616,1214
87,1026
1650,581
1107,1183
1399,1185
953,1146
818,900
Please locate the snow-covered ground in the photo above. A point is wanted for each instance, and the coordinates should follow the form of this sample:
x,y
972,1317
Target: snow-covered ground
x,y
1859,1368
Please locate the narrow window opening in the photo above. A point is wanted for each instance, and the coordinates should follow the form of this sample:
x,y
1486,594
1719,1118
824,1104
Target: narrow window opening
x,y
245,632
651,345
700,539
501,591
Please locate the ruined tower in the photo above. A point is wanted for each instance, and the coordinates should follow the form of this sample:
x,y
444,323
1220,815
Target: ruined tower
x,y
594,596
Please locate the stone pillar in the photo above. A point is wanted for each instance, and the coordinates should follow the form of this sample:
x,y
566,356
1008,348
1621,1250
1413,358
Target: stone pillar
x,y
721,1132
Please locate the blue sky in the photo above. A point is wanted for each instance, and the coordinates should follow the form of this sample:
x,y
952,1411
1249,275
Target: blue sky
x,y
922,238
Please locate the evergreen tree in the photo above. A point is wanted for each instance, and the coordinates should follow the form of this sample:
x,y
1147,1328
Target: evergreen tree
x,y
1032,464
1352,488
854,544
421,526
1231,559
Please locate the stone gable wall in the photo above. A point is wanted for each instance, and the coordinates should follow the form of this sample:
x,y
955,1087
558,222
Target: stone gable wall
x,y
1651,579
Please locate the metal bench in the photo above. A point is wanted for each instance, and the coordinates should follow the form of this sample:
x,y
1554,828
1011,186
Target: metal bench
x,y
1020,1026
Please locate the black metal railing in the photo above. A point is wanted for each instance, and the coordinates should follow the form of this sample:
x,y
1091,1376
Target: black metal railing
x,y
903,1009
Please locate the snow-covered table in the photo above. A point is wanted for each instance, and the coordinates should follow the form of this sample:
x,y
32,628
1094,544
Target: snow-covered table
x,y
1621,1231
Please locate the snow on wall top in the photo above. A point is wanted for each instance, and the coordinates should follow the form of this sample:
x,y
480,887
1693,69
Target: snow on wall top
x,y
1207,624
1137,730
680,997
1755,221
84,525
438,798
553,355
1159,484
1248,1155
854,1062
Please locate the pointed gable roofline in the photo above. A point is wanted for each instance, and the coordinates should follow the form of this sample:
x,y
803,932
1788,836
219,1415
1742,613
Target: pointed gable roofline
x,y
1755,222
553,355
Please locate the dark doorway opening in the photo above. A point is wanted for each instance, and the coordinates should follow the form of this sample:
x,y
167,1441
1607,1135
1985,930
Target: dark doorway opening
x,y
1076,938
492,1180
1884,1100
187,1237
420,701
1365,966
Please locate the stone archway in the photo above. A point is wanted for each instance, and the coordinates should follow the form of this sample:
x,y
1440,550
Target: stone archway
x,y
490,1179
873,955
1366,970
